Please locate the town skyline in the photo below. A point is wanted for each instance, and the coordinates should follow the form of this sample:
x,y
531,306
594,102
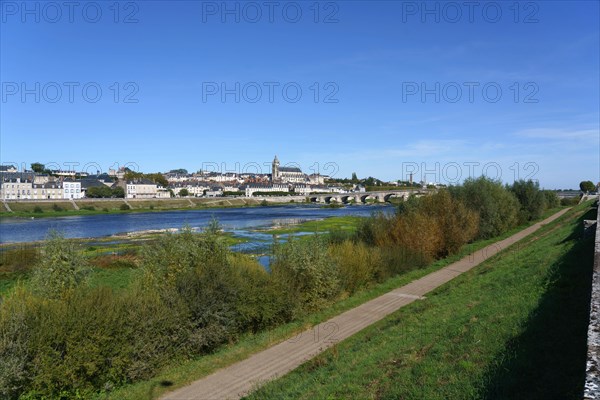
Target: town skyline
x,y
451,173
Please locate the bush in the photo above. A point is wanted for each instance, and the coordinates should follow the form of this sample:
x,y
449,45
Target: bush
x,y
124,207
60,269
88,208
15,350
498,208
359,264
19,260
38,210
71,347
569,201
99,192
374,230
434,226
552,200
531,199
306,273
56,207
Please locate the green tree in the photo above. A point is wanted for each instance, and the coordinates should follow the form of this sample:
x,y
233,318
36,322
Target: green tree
x,y
118,192
531,198
184,193
498,208
61,268
552,199
38,167
158,178
98,192
354,178
587,186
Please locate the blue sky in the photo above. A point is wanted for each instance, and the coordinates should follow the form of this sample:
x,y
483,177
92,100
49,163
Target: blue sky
x,y
510,91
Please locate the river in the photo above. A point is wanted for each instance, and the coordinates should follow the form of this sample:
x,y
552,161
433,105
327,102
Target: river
x,y
239,221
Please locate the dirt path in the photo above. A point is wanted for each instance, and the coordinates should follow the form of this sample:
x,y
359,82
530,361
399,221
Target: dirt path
x,y
242,377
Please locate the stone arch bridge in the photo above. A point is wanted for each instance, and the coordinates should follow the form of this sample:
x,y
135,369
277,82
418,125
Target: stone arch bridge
x,y
364,197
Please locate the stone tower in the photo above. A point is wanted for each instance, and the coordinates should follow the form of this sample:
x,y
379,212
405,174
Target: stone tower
x,y
275,170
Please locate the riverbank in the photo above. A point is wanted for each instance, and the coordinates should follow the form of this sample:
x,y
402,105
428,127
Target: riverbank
x,y
62,208
115,255
180,372
491,333
243,218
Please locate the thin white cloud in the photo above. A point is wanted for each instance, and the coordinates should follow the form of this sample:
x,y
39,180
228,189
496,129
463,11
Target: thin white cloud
x,y
559,134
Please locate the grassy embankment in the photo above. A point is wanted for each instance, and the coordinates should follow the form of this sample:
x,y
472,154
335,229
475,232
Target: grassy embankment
x,y
62,208
512,328
180,372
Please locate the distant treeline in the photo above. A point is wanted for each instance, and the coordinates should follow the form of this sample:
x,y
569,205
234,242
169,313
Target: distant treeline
x,y
61,338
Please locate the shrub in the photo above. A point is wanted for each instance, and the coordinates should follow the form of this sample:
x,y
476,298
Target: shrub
x,y
498,208
88,208
374,230
174,254
124,207
19,260
306,273
434,226
38,210
359,264
56,207
569,201
552,200
71,347
15,349
60,268
531,199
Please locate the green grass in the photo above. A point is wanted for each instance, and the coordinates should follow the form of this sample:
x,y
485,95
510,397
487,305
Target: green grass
x,y
347,223
116,278
180,372
512,328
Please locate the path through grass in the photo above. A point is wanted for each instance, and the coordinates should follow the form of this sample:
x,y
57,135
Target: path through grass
x,y
512,328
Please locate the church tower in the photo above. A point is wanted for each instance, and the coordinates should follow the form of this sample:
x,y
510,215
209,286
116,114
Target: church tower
x,y
275,170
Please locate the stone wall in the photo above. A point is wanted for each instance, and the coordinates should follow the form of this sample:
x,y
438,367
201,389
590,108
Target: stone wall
x,y
592,381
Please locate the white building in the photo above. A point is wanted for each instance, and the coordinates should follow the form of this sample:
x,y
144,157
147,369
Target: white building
x,y
275,187
226,177
72,189
302,189
195,189
47,191
317,179
326,189
145,189
16,189
215,191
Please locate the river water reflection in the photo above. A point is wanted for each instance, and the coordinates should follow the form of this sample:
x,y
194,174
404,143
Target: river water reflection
x,y
242,222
